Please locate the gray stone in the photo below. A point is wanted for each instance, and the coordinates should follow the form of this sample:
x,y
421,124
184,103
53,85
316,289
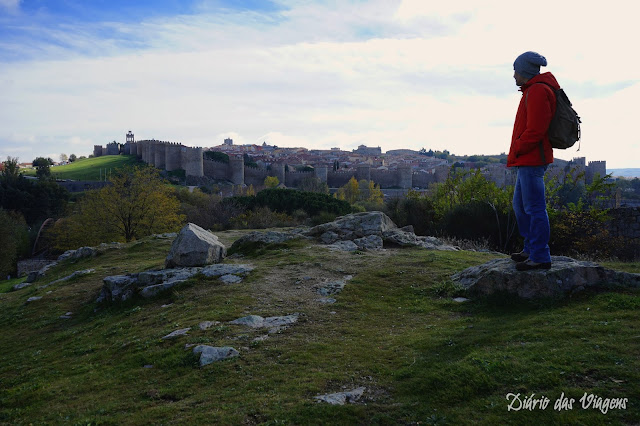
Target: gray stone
x,y
177,333
230,279
355,225
150,283
195,246
68,277
372,242
275,323
253,321
117,288
341,398
269,237
460,299
327,300
33,299
220,269
210,354
205,325
66,316
346,245
153,290
21,285
329,237
565,276
333,287
280,321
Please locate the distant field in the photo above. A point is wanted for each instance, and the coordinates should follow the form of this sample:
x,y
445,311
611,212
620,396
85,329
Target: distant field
x,y
89,168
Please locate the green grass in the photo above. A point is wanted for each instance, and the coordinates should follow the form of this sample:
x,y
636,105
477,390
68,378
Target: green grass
x,y
89,168
395,329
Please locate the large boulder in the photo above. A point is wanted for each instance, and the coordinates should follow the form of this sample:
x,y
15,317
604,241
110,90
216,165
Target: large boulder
x,y
195,246
353,226
566,275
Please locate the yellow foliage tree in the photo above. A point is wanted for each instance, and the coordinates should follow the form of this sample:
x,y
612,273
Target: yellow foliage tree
x,y
135,204
350,192
271,181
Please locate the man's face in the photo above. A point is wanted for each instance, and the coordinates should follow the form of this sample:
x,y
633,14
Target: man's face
x,y
520,80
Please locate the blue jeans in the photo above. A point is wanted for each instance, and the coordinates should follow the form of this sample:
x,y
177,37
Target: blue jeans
x,y
530,208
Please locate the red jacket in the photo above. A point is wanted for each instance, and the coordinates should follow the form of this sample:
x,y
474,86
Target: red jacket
x,y
530,144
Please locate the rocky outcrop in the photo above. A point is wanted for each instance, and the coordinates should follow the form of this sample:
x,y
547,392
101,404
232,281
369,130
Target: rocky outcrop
x,y
370,231
195,246
147,284
353,226
210,354
566,276
341,398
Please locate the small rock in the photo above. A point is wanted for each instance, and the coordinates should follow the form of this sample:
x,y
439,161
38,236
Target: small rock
x,y
343,246
21,285
33,299
209,354
327,300
177,333
253,321
148,366
166,306
230,279
334,287
461,299
66,316
205,325
341,398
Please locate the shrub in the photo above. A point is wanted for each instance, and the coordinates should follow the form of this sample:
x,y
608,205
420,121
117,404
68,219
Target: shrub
x,y
260,218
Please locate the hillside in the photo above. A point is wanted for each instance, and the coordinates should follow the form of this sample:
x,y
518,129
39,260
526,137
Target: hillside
x,y
89,168
394,330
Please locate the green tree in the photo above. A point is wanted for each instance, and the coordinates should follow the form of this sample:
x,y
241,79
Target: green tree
x,y
11,169
72,158
43,167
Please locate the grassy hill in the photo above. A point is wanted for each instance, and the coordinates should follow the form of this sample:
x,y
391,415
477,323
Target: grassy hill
x,y
89,168
395,329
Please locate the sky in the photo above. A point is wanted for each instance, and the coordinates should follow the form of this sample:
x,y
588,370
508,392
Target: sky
x,y
316,74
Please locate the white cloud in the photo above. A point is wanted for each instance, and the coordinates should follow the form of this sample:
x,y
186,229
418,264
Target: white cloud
x,y
379,73
11,6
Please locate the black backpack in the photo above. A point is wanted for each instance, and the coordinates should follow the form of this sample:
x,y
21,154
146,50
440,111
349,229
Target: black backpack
x,y
564,129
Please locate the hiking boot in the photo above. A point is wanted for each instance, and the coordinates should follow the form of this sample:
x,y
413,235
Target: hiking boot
x,y
519,257
529,265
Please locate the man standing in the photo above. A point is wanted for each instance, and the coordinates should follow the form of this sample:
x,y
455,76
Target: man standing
x,y
531,153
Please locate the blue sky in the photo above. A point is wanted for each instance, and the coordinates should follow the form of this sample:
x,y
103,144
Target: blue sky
x,y
319,74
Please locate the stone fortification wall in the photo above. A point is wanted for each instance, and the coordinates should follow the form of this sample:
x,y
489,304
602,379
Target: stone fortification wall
x,y
384,178
97,150
321,172
292,179
215,169
172,157
236,169
160,152
338,178
423,179
192,161
278,170
255,176
405,177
